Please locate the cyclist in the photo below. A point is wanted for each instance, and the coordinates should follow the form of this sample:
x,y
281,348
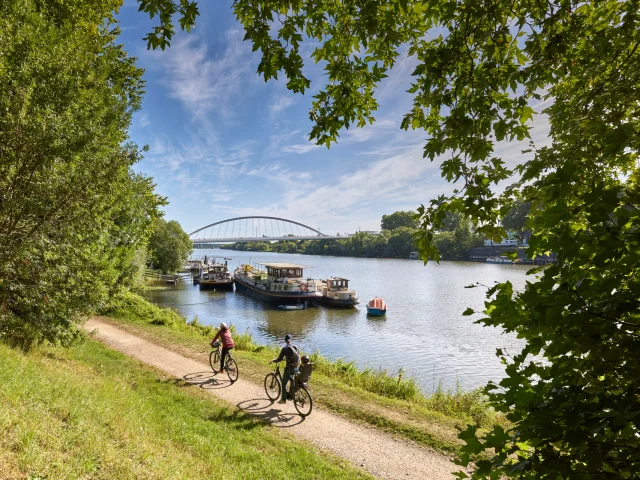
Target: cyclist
x,y
292,355
224,334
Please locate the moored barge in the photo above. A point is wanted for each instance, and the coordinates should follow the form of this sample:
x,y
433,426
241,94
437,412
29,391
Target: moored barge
x,y
278,284
216,277
336,293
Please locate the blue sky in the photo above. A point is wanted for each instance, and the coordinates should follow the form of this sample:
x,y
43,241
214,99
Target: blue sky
x,y
223,143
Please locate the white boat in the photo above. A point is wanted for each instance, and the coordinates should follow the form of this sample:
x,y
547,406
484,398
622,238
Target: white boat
x,y
300,306
500,260
336,293
216,276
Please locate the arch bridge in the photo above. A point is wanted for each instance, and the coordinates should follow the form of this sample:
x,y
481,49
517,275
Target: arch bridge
x,y
257,229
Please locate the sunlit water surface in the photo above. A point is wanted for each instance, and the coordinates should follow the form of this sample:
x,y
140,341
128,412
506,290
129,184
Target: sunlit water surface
x,y
424,330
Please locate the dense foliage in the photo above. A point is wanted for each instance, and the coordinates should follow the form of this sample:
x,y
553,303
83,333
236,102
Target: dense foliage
x,y
516,221
399,219
72,215
481,67
387,244
456,238
169,246
394,241
454,242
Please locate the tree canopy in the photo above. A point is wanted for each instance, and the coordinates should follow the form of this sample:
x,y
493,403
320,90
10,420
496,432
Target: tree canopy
x,y
73,216
516,220
169,246
399,219
481,68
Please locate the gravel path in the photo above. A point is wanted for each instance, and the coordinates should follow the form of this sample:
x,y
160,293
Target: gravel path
x,y
379,454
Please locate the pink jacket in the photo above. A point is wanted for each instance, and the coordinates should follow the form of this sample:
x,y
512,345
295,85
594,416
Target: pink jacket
x,y
225,338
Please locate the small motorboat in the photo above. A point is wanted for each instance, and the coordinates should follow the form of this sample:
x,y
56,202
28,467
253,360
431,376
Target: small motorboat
x,y
299,306
376,307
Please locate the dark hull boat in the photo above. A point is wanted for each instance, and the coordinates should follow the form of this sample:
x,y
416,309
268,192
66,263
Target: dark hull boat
x,y
216,277
279,284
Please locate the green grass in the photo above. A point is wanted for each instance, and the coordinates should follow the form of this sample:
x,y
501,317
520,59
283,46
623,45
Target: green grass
x,y
391,402
91,412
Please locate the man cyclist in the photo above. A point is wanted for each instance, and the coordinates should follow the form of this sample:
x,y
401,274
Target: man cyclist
x,y
227,343
291,353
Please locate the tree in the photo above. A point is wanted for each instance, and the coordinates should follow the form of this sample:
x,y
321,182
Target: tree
x,y
169,246
401,241
456,239
516,220
481,66
399,219
72,215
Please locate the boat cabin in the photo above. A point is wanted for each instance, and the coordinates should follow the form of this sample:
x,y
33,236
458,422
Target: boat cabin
x,y
337,283
284,270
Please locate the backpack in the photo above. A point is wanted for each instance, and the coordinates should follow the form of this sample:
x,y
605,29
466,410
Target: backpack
x,y
296,355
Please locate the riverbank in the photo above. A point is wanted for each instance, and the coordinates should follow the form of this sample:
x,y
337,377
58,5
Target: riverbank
x,y
373,397
91,412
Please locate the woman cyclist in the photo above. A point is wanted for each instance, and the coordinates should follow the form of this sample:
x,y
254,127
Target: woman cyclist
x,y
224,334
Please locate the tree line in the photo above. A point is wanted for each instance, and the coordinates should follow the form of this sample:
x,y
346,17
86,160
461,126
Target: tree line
x,y
75,219
395,240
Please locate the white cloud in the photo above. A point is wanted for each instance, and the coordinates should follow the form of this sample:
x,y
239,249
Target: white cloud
x,y
281,102
402,179
199,80
374,131
142,120
299,148
279,173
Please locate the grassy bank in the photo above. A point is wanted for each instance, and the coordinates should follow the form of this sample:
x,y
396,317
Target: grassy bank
x,y
391,402
90,412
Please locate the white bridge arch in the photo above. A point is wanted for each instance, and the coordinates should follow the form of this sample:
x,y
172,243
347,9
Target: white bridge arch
x,y
257,229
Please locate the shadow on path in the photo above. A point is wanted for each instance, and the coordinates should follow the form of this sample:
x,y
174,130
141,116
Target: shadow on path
x,y
268,412
208,380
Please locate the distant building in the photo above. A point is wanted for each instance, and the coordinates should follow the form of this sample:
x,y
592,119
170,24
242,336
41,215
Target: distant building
x,y
511,240
413,256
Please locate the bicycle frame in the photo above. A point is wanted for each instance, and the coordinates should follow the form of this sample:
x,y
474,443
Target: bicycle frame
x,y
228,358
293,384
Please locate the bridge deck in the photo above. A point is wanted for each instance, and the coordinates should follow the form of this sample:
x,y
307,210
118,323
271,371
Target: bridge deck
x,y
262,239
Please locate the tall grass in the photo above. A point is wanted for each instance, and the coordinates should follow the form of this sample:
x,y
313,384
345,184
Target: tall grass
x,y
467,406
372,380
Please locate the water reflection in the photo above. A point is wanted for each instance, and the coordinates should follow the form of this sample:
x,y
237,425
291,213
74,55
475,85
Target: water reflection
x,y
423,331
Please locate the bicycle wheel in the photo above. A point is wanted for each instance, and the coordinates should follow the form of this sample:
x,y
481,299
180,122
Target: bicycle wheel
x,y
232,369
214,359
302,400
272,386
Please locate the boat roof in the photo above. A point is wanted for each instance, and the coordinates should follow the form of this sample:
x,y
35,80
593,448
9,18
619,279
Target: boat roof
x,y
283,265
338,278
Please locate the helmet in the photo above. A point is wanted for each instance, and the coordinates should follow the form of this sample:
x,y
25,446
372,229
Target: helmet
x,y
223,326
287,338
304,359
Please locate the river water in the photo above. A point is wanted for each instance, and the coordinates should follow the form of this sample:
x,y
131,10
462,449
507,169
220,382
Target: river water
x,y
424,330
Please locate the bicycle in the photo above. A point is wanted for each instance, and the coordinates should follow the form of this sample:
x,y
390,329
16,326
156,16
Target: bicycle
x,y
298,392
230,365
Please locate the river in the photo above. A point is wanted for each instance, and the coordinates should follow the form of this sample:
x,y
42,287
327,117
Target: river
x,y
424,330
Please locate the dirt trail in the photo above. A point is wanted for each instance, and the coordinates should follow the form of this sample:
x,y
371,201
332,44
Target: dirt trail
x,y
377,453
